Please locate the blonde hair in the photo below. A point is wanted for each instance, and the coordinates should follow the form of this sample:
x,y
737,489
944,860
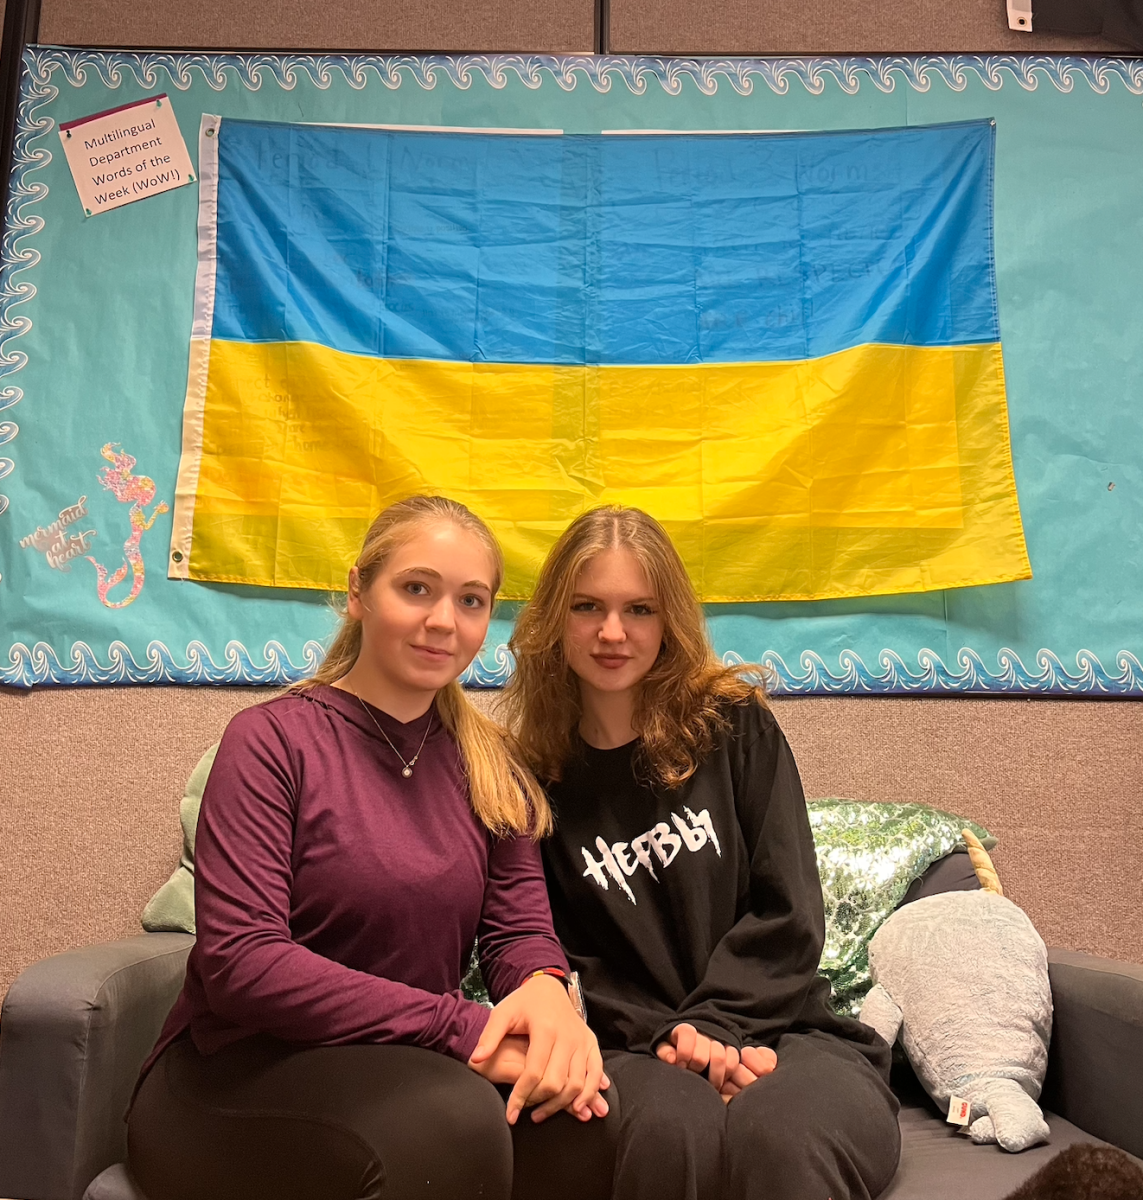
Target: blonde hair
x,y
681,709
503,791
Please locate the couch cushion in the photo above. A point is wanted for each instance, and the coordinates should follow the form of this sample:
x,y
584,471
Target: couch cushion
x,y
937,1163
953,873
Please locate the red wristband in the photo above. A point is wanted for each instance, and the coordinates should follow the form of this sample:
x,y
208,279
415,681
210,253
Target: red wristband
x,y
553,971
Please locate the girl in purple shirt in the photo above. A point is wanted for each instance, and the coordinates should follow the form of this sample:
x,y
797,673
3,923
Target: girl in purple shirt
x,y
356,835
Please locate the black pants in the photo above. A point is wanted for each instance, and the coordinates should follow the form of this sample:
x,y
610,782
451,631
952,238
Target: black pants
x,y
262,1120
823,1126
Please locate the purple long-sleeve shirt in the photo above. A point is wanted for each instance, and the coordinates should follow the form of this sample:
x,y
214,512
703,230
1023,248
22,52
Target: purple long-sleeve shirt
x,y
337,901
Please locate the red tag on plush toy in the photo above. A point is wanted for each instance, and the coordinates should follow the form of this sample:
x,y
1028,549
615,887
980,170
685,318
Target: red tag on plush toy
x,y
959,1111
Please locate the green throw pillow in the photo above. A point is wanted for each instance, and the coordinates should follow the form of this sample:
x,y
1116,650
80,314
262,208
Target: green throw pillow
x,y
868,855
171,908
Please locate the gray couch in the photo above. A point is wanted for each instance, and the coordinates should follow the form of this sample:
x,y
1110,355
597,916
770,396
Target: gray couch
x,y
76,1027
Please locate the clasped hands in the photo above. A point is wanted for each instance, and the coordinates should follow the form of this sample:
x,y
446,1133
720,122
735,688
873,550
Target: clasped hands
x,y
535,1041
729,1070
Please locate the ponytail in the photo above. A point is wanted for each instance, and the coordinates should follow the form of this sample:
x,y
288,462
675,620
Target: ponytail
x,y
505,794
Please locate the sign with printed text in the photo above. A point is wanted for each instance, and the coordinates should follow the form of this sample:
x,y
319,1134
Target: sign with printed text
x,y
126,154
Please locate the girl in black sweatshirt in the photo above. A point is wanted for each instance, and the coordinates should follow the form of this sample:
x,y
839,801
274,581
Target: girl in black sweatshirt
x,y
684,888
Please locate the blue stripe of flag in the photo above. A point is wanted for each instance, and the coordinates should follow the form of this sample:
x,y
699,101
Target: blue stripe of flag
x,y
661,249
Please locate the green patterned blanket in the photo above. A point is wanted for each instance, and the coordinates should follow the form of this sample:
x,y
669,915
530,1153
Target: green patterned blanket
x,y
868,855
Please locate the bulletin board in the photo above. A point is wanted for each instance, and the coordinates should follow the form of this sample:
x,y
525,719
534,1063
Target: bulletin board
x,y
97,312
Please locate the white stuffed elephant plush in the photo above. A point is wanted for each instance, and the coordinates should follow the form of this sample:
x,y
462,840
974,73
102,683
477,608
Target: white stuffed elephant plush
x,y
963,978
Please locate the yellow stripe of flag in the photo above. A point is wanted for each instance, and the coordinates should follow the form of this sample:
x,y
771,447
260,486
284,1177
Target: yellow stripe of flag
x,y
873,470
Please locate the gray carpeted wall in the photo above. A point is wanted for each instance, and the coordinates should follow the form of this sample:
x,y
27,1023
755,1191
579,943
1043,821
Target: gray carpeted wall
x,y
555,26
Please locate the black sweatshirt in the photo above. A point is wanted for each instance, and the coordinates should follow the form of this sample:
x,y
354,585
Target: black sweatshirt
x,y
699,904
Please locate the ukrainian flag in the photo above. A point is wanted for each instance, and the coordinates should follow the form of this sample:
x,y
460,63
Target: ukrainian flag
x,y
784,346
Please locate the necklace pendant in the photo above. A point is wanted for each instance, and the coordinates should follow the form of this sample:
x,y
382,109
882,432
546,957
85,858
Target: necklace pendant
x,y
407,770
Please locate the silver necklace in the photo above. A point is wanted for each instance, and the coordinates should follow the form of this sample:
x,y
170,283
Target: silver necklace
x,y
406,767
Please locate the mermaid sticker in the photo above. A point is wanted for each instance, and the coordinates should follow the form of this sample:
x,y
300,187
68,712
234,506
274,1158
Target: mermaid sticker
x,y
138,491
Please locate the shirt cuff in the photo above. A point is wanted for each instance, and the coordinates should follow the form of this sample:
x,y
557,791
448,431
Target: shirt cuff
x,y
728,1037
474,1018
515,963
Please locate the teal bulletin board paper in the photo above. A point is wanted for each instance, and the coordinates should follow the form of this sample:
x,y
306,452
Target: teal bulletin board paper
x,y
95,318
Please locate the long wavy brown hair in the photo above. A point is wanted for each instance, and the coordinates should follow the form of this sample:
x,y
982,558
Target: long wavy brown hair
x,y
502,789
681,710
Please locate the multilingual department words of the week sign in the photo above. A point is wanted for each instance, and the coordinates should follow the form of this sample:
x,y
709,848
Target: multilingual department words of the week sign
x,y
126,154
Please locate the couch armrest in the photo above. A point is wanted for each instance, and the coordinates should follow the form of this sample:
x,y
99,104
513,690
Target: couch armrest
x,y
1095,1065
74,1032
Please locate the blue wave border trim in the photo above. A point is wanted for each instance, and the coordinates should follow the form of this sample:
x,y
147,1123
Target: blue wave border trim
x,y
601,72
971,676
39,666
16,254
